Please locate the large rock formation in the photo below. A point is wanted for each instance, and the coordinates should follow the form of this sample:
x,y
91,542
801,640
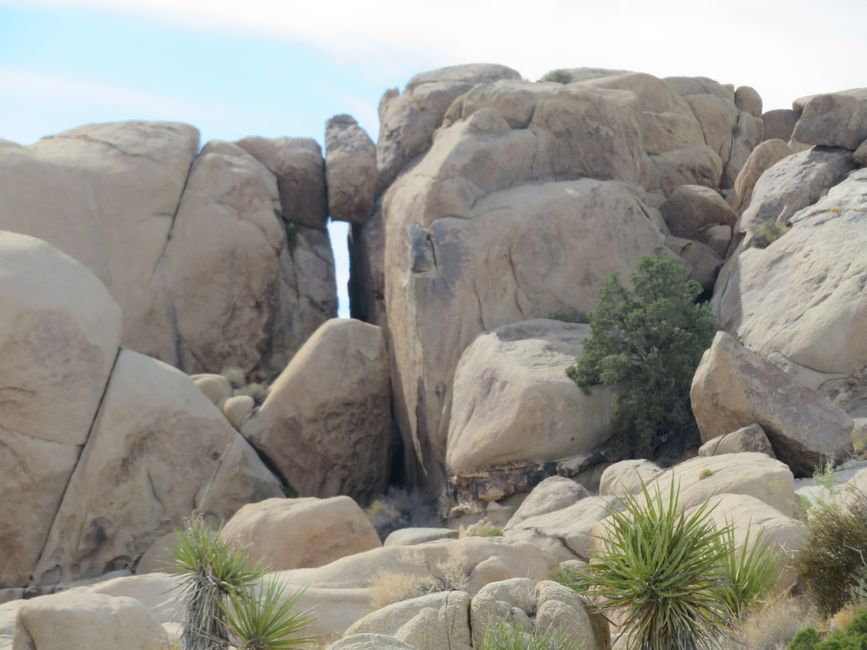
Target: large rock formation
x,y
514,402
191,246
733,388
325,425
350,170
834,119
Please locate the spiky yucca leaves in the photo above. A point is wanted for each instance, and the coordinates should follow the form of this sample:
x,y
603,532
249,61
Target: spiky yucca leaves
x,y
661,570
507,637
749,571
264,618
210,570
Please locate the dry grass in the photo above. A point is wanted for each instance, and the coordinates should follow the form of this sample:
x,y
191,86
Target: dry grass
x,y
449,574
772,626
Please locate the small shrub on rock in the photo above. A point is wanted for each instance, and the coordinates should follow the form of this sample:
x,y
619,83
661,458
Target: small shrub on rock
x,y
647,342
507,637
769,232
558,76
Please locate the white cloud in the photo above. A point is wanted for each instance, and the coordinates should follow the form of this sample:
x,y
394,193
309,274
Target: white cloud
x,y
783,48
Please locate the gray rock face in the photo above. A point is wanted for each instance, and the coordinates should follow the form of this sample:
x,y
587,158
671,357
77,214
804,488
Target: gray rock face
x,y
191,246
749,438
834,119
350,170
762,158
734,387
748,99
300,171
779,124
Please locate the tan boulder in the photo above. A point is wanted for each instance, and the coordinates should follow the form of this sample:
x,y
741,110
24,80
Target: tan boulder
x,y
793,183
107,195
703,263
59,335
627,477
567,533
369,642
507,602
691,209
779,124
299,533
299,169
325,424
350,170
513,401
718,239
165,450
734,387
749,438
748,99
215,387
836,119
238,409
860,154
554,493
697,165
413,536
762,158
75,620
749,473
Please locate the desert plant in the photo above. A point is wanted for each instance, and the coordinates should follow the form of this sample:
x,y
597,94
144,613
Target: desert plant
x,y
210,570
769,232
853,637
264,618
502,636
771,626
647,342
748,570
448,574
292,231
832,564
487,531
558,76
661,569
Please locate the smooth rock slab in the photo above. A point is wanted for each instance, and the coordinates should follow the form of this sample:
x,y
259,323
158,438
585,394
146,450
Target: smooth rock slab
x,y
750,438
734,387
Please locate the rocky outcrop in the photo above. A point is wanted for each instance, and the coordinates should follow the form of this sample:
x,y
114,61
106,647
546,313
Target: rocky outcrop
x,y
513,401
834,119
734,387
749,438
552,494
762,158
779,124
350,170
325,425
627,477
298,533
59,334
85,620
192,247
165,450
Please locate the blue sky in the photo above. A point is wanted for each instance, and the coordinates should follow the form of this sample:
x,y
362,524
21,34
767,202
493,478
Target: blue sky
x,y
282,67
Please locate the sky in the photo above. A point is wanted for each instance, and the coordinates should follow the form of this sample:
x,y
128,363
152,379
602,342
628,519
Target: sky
x,y
282,67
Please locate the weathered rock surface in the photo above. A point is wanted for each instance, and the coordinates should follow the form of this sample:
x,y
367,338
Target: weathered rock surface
x,y
554,493
698,165
78,620
350,170
860,154
627,477
299,533
734,387
298,165
794,182
834,119
692,209
762,158
179,240
413,536
748,99
513,401
779,124
749,438
369,642
325,424
429,622
800,302
159,449
59,334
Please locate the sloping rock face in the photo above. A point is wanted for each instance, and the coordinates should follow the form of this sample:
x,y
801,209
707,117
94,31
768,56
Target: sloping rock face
x,y
800,302
325,425
762,158
59,334
191,246
514,402
158,450
734,387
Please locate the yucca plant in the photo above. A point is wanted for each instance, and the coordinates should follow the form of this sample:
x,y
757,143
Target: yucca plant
x,y
210,571
502,636
749,571
661,569
264,618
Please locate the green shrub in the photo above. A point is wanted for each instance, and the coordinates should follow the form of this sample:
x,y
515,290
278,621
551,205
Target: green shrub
x,y
647,342
854,637
292,231
487,531
677,580
507,637
210,571
558,76
264,618
832,565
769,232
